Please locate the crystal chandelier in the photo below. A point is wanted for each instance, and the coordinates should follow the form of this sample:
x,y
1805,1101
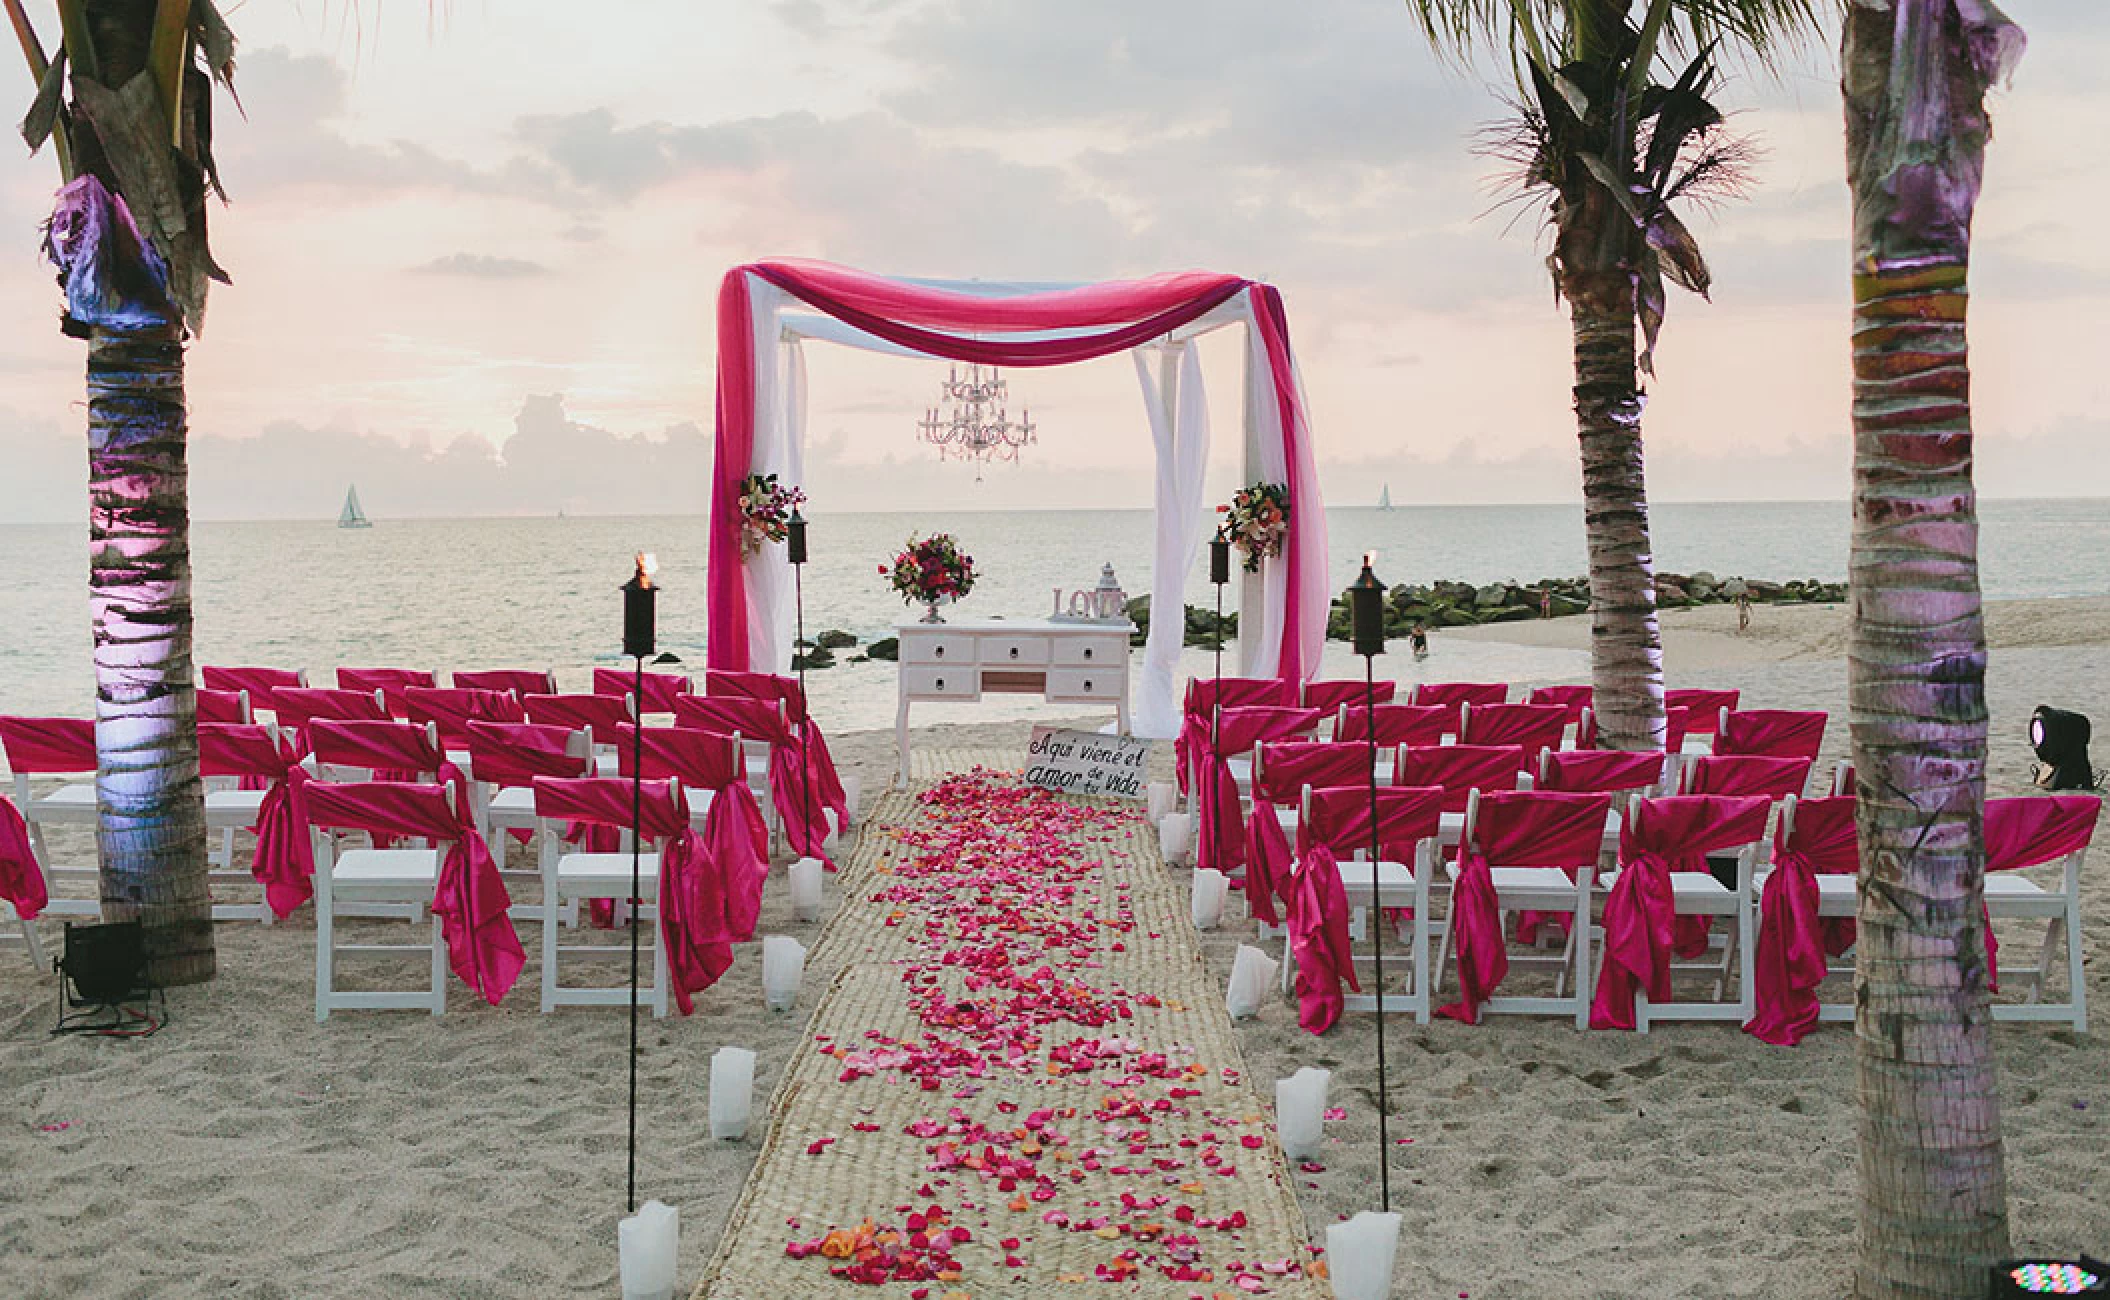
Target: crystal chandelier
x,y
976,426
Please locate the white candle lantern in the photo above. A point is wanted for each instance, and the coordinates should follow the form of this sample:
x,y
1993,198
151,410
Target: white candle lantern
x,y
1359,1255
853,794
1252,971
1211,887
1159,799
783,966
1300,1111
649,1243
732,1092
806,889
1175,836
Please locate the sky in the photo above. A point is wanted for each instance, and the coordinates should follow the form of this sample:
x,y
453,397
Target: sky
x,y
476,247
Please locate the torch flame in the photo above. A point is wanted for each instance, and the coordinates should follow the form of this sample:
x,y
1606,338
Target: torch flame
x,y
647,565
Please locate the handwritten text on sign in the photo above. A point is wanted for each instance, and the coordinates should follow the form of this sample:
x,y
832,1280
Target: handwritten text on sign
x,y
1085,762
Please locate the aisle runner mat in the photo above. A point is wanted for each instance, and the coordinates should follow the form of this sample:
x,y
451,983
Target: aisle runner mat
x,y
1126,1161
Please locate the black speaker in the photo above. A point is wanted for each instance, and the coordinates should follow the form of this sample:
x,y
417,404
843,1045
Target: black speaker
x,y
105,964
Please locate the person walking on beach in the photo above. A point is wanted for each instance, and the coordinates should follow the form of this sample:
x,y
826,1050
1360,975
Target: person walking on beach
x,y
1545,602
1743,611
1419,639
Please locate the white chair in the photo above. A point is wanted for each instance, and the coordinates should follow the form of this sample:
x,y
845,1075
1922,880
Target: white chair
x,y
2010,895
396,878
570,877
1409,819
228,752
62,748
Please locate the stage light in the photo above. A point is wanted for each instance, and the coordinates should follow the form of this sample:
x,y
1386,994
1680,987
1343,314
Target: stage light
x,y
2060,738
2019,1277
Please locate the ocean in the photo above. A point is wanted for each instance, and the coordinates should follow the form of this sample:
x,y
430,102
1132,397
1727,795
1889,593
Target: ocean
x,y
447,593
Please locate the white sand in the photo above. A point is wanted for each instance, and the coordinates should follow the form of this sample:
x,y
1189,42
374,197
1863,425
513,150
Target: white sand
x,y
245,1151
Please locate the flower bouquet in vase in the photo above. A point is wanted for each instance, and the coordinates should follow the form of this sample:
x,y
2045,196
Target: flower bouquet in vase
x,y
1257,522
930,571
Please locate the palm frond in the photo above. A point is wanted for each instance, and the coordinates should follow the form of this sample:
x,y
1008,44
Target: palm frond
x,y
1764,31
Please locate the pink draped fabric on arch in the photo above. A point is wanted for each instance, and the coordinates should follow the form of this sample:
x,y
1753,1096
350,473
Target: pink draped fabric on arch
x,y
1034,327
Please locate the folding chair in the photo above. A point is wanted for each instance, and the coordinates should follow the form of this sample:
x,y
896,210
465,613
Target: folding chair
x,y
1676,721
600,714
1330,697
261,683
1705,707
232,756
1774,733
1775,778
2033,831
395,879
837,793
451,709
223,706
1459,771
660,689
1226,773
1204,697
295,707
391,682
1452,696
1536,728
1807,900
1575,700
569,877
1282,771
1394,725
520,681
504,760
773,770
65,748
1334,841
1602,771
1523,850
1663,877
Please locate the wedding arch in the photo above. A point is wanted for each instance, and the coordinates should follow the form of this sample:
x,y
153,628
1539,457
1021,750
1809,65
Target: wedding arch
x,y
762,429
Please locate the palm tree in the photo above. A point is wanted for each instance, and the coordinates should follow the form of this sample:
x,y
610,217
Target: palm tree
x,y
126,102
1612,150
1933,1184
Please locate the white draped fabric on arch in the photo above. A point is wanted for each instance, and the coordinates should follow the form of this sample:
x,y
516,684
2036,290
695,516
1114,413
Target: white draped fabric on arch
x,y
768,310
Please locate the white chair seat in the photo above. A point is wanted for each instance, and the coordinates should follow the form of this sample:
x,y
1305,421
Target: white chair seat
x,y
395,869
70,803
583,872
516,802
1836,889
237,809
1395,883
2008,893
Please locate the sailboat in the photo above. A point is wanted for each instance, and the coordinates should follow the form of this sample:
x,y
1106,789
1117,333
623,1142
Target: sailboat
x,y
353,516
1384,497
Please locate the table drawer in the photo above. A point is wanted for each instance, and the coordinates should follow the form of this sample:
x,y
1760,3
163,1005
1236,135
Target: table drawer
x,y
936,647
1086,683
921,681
1014,649
1091,651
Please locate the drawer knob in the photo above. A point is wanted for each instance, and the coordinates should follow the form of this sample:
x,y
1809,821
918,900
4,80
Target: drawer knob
x,y
1087,652
941,683
1087,683
938,653
1014,652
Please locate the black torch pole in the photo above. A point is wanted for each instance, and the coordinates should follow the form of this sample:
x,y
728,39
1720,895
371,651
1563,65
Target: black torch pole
x,y
795,551
1366,599
639,596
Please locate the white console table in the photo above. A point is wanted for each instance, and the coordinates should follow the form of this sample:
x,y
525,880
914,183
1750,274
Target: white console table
x,y
1063,663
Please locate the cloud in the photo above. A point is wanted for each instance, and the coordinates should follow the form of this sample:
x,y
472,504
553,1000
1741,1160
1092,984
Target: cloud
x,y
481,266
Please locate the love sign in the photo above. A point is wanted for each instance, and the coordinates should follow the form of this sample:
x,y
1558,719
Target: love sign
x,y
1085,762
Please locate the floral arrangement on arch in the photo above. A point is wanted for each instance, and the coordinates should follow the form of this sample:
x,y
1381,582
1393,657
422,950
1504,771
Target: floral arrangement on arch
x,y
1257,522
930,570
765,511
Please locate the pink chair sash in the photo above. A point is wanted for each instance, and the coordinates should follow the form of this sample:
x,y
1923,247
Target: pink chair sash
x,y
700,760
1398,724
513,754
1449,695
21,880
297,706
1706,706
48,746
391,682
284,860
821,775
1459,769
262,684
2029,832
1600,771
1792,939
1659,837
220,706
1775,778
794,783
1534,727
1514,828
1281,772
661,689
1329,697
393,751
453,708
603,713
520,681
1675,722
1572,699
1221,842
1775,733
470,901
1191,745
1337,824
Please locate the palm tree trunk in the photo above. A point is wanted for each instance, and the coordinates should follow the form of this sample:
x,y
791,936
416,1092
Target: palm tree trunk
x,y
1626,650
150,834
1933,1182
